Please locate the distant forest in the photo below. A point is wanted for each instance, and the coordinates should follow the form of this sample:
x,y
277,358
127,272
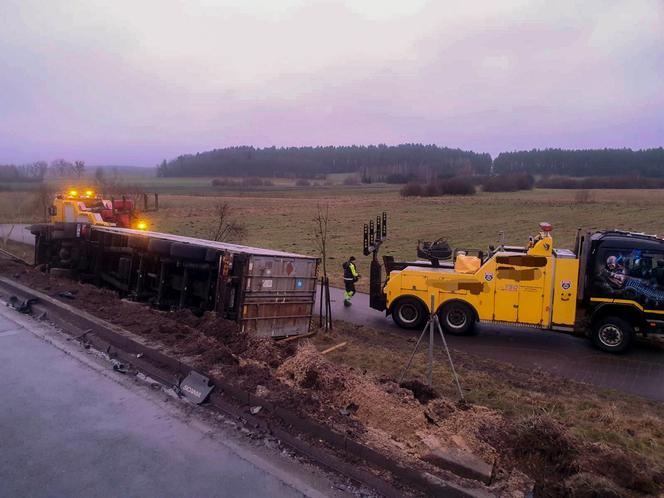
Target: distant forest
x,y
408,160
598,162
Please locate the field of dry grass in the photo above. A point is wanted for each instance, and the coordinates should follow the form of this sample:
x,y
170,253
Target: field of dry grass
x,y
282,217
286,222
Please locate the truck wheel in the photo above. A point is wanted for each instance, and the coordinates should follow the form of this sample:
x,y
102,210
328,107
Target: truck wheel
x,y
612,334
457,318
408,313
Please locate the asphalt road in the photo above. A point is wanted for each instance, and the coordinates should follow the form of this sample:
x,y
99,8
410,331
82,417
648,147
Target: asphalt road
x,y
17,232
70,426
640,372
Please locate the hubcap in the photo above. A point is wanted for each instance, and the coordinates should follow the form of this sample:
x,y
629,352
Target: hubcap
x,y
456,318
610,335
408,313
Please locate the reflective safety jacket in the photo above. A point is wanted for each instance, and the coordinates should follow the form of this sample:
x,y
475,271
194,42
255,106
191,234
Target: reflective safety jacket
x,y
350,272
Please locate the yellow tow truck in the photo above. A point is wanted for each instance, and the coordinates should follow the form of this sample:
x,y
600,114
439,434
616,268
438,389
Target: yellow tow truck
x,y
610,286
87,207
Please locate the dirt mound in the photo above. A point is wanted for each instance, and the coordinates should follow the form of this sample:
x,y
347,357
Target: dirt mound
x,y
308,369
381,405
542,446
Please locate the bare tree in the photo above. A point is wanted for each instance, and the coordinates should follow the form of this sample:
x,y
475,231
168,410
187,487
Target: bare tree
x,y
99,176
321,223
79,168
227,228
61,167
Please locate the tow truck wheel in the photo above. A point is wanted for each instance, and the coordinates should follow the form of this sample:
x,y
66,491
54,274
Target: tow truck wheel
x,y
457,318
408,313
612,334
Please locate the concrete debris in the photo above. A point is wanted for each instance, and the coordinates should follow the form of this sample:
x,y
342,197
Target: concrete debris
x,y
461,463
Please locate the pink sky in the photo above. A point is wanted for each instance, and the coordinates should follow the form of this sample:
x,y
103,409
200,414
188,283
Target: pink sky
x,y
127,82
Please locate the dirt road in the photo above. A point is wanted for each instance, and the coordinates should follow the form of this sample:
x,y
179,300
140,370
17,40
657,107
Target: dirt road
x,y
639,372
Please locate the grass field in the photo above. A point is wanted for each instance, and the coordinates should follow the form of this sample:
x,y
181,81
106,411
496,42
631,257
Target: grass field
x,y
281,217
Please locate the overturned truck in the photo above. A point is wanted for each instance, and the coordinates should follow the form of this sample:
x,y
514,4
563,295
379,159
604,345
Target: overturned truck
x,y
268,293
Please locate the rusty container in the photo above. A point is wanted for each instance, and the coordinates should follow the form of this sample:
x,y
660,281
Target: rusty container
x,y
277,295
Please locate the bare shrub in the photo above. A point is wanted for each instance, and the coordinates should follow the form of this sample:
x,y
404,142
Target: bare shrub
x,y
351,180
227,228
431,189
411,190
248,182
397,178
509,182
302,182
458,185
606,182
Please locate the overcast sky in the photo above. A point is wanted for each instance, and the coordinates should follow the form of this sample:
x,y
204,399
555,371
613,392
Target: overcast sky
x,y
132,81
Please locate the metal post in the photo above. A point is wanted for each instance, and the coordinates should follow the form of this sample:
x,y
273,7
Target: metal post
x,y
412,355
431,336
449,357
328,302
322,298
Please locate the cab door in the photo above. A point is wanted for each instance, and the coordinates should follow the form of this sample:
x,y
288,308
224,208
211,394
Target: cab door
x,y
531,295
506,294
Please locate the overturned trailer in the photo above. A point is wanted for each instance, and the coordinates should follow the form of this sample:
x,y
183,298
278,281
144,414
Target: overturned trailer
x,y
268,293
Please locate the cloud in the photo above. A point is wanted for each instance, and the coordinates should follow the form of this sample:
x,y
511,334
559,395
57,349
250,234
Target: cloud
x,y
134,82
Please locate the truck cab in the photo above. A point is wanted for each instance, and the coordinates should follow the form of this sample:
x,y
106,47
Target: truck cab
x,y
621,280
611,287
85,206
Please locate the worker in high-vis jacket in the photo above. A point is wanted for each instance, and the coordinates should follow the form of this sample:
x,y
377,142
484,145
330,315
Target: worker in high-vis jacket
x,y
350,277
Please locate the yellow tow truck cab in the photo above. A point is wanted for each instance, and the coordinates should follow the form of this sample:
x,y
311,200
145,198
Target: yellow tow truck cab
x,y
611,284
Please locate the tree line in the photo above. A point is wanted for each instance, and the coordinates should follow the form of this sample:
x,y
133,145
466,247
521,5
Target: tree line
x,y
583,162
37,171
409,160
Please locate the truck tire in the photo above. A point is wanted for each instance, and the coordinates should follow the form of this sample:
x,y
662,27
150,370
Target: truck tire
x,y
409,313
612,334
457,318
159,246
188,251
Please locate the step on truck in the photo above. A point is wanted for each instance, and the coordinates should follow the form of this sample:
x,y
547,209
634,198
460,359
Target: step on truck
x,y
105,242
610,287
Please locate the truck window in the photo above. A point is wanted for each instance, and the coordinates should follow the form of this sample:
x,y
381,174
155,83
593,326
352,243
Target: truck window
x,y
632,274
